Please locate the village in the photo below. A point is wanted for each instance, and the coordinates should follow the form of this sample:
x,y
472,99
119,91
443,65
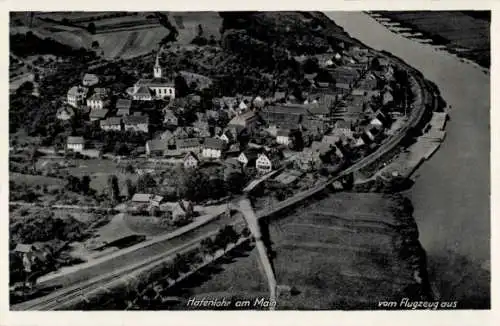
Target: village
x,y
161,163
246,136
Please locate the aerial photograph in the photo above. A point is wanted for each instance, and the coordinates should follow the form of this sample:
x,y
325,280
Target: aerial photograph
x,y
250,160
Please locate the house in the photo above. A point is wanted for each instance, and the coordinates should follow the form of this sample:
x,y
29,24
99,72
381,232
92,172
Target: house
x,y
258,102
376,123
233,150
76,95
97,101
156,201
229,102
182,132
266,162
142,198
247,120
181,209
279,96
112,123
343,88
387,97
123,107
242,106
136,123
166,135
29,253
76,144
141,93
157,87
314,124
343,128
157,147
248,158
213,147
283,137
190,160
227,137
318,109
98,114
169,118
90,80
188,145
284,116
65,113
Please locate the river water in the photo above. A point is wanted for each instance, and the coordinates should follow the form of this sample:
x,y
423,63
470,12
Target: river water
x,y
451,195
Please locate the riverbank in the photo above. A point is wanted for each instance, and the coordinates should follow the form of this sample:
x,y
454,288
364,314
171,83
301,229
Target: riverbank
x,y
461,33
451,191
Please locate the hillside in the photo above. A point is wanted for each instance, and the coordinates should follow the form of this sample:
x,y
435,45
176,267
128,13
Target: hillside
x,y
345,251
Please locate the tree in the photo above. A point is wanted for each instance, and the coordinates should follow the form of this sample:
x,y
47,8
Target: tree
x,y
91,28
181,86
85,184
200,30
95,45
235,182
73,183
130,187
113,188
145,182
207,246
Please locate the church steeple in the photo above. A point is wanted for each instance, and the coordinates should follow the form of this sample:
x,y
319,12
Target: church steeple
x,y
157,69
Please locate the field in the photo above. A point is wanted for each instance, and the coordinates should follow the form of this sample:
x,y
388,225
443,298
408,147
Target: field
x,y
462,33
119,34
187,25
99,170
343,252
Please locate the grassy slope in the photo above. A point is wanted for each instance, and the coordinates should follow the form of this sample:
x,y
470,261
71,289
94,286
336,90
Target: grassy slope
x,y
334,264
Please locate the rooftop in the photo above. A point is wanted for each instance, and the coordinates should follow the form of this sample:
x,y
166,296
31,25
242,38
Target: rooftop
x,y
123,103
136,119
98,113
188,142
214,143
76,140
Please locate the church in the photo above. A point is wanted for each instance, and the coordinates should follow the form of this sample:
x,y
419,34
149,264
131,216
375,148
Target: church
x,y
157,87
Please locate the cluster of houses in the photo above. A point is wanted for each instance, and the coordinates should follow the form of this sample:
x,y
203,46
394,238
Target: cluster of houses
x,y
339,117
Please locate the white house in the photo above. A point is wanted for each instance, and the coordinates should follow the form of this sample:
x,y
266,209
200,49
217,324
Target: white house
x,y
112,123
90,80
226,137
65,113
169,118
376,122
76,144
248,158
191,160
76,95
266,163
212,148
97,101
283,137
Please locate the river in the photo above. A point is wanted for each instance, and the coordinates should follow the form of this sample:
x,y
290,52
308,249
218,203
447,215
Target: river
x,y
451,195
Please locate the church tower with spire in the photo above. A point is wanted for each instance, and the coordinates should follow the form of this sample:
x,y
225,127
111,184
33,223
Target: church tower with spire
x,y
157,71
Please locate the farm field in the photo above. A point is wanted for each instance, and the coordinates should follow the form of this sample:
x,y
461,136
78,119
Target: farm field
x,y
34,180
126,36
99,171
332,265
187,25
462,33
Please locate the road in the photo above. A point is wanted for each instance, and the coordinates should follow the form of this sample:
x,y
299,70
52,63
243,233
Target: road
x,y
82,281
